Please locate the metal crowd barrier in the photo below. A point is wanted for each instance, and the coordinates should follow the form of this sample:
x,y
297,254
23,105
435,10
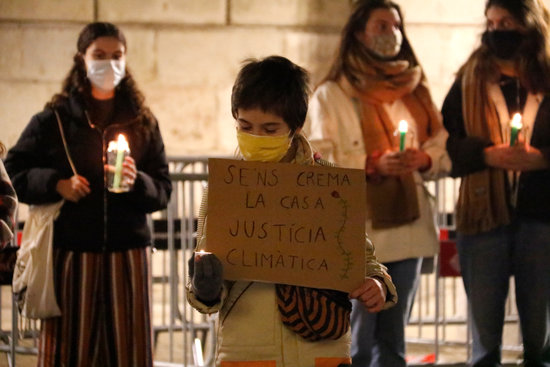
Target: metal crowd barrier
x,y
11,338
182,336
440,315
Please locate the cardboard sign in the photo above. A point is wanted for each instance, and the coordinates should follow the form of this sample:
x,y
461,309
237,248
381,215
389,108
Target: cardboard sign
x,y
287,223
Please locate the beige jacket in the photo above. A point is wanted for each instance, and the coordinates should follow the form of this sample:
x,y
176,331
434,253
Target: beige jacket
x,y
334,128
249,326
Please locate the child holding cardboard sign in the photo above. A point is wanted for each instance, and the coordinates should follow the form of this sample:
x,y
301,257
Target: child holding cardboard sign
x,y
265,324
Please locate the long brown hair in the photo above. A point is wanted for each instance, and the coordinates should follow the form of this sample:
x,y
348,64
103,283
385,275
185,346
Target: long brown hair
x,y
351,47
77,82
532,62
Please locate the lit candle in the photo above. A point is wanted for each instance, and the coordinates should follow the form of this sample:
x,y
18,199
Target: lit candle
x,y
516,127
197,353
121,147
403,127
200,253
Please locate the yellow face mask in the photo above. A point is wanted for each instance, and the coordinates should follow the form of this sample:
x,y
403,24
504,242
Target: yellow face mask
x,y
263,148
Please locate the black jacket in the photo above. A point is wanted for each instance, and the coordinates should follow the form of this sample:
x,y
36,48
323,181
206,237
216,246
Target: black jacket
x,y
38,161
466,152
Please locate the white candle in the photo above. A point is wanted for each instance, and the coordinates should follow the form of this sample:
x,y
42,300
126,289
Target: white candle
x,y
403,128
121,147
197,353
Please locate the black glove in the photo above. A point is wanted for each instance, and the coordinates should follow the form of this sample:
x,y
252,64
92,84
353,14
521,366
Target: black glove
x,y
206,278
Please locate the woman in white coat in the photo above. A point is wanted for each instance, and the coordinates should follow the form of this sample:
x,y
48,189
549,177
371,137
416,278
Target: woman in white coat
x,y
374,83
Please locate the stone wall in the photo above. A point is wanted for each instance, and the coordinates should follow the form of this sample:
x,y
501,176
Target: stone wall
x,y
185,53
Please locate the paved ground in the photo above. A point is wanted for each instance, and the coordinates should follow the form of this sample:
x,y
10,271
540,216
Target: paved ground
x,y
419,354
452,350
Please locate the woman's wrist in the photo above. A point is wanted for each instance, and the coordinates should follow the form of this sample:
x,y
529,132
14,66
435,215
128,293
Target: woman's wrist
x,y
426,166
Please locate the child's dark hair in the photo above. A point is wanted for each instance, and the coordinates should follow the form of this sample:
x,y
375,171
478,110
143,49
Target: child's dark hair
x,y
274,85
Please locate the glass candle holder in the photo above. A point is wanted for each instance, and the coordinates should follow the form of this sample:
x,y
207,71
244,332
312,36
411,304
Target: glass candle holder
x,y
515,127
403,136
117,151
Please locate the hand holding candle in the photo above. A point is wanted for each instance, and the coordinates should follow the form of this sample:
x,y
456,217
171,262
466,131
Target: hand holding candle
x,y
403,127
206,273
516,126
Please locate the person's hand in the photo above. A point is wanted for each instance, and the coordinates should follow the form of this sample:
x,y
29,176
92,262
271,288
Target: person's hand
x,y
206,273
391,163
519,157
416,160
499,156
129,171
74,188
372,294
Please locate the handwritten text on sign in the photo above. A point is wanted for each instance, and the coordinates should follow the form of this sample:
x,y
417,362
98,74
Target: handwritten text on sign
x,y
287,223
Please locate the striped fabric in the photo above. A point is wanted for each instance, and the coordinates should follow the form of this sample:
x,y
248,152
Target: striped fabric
x,y
314,314
106,318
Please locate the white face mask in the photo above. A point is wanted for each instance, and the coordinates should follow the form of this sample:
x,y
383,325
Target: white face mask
x,y
106,74
386,45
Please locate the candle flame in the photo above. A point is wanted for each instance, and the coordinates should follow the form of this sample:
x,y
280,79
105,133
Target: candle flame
x,y
200,253
112,146
516,121
403,126
122,143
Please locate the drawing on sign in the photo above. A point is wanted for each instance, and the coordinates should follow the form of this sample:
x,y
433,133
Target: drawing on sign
x,y
346,255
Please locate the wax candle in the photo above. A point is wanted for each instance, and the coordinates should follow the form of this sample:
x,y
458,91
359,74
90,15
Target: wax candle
x,y
122,147
516,127
197,353
403,127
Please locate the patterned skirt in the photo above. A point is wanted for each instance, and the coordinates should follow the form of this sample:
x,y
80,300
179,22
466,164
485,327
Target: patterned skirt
x,y
106,311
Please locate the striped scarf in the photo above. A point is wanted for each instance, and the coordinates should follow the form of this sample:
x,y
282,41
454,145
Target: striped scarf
x,y
314,314
393,201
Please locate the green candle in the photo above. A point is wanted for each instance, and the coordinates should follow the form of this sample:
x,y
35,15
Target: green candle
x,y
516,127
403,127
122,147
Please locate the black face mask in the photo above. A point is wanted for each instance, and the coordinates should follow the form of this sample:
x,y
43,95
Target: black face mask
x,y
503,44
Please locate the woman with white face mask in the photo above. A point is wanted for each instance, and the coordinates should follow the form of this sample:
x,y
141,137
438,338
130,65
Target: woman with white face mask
x,y
373,84
101,238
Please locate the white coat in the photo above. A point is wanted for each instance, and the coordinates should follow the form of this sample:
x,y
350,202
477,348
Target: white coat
x,y
334,128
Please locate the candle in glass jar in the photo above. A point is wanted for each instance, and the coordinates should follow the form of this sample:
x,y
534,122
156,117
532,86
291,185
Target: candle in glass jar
x,y
403,127
516,126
